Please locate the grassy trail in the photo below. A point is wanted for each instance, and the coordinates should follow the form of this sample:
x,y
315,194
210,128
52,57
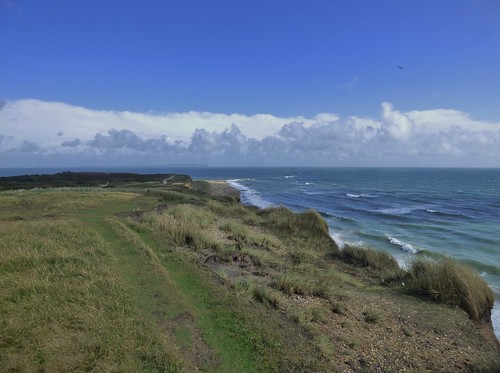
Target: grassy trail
x,y
83,288
213,328
178,299
183,305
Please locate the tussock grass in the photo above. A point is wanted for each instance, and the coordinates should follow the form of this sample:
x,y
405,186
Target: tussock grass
x,y
372,317
299,284
380,263
305,316
301,255
242,235
230,208
226,253
308,221
185,226
308,225
262,258
451,282
196,215
236,231
63,307
368,257
268,296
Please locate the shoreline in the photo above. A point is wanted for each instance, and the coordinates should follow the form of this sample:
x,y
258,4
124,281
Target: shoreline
x,y
250,197
269,282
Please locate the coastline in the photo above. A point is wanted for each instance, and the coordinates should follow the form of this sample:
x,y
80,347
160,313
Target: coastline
x,y
251,197
215,284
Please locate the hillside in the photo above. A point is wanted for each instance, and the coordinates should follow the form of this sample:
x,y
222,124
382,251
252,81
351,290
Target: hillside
x,y
163,274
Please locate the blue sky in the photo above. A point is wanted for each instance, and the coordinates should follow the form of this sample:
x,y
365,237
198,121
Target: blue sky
x,y
287,60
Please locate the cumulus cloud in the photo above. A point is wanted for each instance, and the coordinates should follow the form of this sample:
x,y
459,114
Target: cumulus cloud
x,y
72,144
440,137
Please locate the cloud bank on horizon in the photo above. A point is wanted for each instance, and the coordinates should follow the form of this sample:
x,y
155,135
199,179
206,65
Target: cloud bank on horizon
x,y
36,133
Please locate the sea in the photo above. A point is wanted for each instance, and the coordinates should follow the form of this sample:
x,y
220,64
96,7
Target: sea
x,y
404,211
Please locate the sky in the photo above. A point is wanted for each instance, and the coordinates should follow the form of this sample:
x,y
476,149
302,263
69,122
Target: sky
x,y
250,83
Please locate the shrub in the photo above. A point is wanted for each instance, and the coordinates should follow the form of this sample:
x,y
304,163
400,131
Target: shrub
x,y
451,282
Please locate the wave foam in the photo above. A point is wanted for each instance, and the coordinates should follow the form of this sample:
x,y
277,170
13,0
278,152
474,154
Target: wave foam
x,y
495,319
362,195
248,196
396,210
447,213
403,245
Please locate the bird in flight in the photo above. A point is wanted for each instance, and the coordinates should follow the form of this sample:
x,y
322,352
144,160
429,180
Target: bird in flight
x,y
400,67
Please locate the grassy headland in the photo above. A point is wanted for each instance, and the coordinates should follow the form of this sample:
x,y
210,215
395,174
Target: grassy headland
x,y
168,274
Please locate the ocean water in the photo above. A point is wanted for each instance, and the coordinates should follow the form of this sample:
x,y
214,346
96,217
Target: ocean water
x,y
455,212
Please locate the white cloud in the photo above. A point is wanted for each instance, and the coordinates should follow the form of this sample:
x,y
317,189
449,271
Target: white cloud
x,y
51,122
47,130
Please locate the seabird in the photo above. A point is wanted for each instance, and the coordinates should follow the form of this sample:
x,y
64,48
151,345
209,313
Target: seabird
x,y
400,68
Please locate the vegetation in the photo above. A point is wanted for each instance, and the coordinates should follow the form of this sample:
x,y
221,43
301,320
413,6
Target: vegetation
x,y
451,282
159,277
88,179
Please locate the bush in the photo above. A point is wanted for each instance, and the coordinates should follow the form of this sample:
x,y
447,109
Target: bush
x,y
451,282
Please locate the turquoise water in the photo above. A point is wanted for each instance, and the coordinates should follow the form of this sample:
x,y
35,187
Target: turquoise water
x,y
403,211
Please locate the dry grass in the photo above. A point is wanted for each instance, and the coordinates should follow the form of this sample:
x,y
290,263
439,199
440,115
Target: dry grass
x,y
299,284
368,257
185,226
452,282
267,296
307,227
63,308
22,204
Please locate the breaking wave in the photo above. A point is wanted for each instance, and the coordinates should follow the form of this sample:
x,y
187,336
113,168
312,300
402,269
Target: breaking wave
x,y
249,196
402,245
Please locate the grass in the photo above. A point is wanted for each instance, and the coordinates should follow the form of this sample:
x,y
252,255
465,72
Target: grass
x,y
451,282
299,284
94,280
183,229
267,296
367,257
64,308
307,229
